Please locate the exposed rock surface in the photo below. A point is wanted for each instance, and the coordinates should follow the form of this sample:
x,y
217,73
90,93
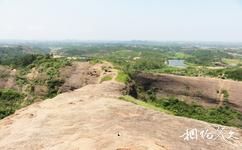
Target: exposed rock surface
x,y
79,75
83,73
7,77
203,90
93,118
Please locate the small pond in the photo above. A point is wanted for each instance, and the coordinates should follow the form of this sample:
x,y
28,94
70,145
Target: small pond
x,y
176,63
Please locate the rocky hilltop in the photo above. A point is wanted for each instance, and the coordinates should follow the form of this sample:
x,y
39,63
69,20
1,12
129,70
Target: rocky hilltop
x,y
93,117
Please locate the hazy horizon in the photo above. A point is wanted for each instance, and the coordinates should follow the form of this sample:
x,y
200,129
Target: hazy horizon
x,y
121,20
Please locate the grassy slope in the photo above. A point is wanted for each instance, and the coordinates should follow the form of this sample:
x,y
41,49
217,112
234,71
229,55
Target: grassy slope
x,y
222,115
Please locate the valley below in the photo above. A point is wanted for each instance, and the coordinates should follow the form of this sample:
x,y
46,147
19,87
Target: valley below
x,y
109,97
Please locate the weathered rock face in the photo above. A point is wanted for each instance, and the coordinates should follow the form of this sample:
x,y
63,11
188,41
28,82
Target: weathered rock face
x,y
7,78
206,91
79,75
83,73
93,118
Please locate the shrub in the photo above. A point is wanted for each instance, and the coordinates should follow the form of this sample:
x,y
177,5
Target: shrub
x,y
106,78
234,73
226,95
223,115
10,100
53,87
122,77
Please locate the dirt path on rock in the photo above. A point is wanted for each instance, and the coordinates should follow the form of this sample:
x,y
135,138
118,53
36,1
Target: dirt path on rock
x,y
107,70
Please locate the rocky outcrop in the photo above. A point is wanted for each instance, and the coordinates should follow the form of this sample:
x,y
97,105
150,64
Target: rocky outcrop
x,y
8,78
94,118
78,75
203,90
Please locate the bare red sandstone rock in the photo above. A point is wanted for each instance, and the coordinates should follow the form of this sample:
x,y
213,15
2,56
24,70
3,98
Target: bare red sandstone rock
x,y
91,118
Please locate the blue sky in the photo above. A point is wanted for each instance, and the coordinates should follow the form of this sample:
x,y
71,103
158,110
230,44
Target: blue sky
x,y
160,20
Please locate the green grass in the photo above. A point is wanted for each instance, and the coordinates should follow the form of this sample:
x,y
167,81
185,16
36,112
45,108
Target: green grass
x,y
122,77
149,105
180,55
106,78
232,62
222,115
233,73
95,61
10,100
